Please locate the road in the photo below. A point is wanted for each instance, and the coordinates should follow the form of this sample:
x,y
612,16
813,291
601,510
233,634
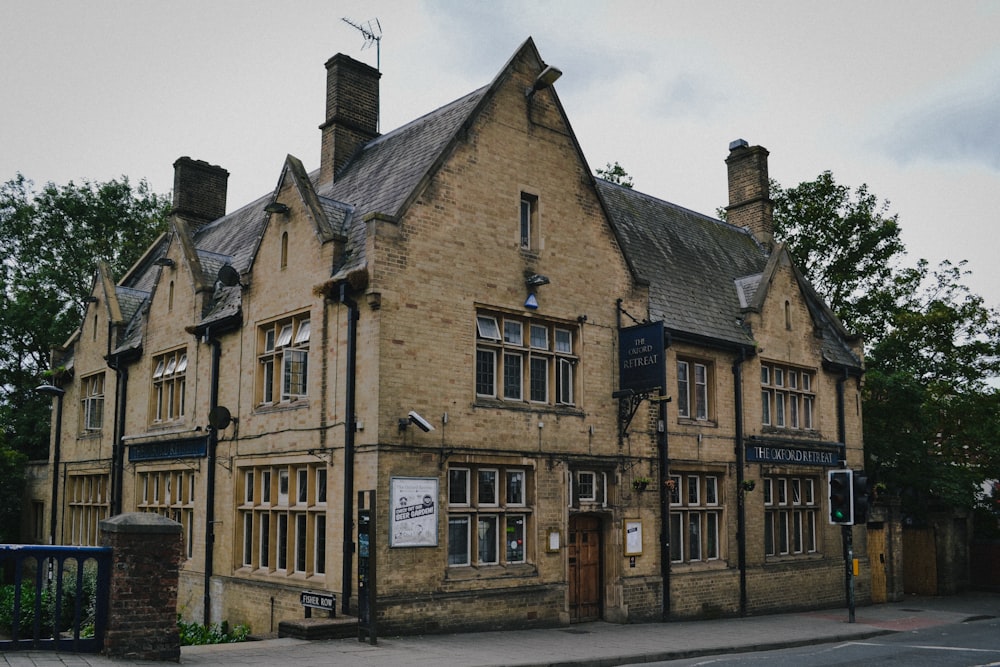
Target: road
x,y
975,642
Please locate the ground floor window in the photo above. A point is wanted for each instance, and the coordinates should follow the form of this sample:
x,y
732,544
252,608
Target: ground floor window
x,y
695,517
282,518
171,493
87,503
488,515
790,515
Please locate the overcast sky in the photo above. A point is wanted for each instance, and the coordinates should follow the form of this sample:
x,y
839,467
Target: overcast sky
x,y
903,96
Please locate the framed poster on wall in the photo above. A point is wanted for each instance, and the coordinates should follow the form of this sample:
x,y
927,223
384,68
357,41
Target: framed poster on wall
x,y
633,537
413,512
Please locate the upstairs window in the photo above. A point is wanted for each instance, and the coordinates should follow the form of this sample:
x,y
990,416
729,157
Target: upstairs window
x,y
787,397
529,222
694,390
92,399
169,386
525,360
283,360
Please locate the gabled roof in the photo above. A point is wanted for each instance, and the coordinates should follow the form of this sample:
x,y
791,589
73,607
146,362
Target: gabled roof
x,y
690,261
704,274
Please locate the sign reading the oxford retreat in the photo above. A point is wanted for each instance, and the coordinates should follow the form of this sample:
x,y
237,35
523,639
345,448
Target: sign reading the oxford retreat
x,y
413,516
641,363
770,453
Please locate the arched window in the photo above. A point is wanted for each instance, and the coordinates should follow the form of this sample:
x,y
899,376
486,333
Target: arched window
x,y
284,250
788,315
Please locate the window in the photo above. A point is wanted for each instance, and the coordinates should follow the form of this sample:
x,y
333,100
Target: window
x,y
588,487
528,233
169,386
787,398
283,356
695,517
790,514
494,501
694,390
287,536
92,398
88,502
171,493
525,360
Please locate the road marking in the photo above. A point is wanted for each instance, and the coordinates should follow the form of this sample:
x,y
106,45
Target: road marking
x,y
926,648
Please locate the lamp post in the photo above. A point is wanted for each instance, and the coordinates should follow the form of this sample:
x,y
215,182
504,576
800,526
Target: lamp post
x,y
52,390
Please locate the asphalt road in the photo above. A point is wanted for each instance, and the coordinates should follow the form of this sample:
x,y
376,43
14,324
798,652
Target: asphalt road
x,y
975,642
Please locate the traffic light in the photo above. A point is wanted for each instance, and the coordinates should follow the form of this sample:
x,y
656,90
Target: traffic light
x,y
860,485
841,503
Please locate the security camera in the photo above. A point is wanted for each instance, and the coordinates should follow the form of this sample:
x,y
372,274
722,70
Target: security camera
x,y
422,423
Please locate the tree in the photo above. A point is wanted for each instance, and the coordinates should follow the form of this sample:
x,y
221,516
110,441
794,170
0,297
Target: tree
x,y
931,414
615,173
50,243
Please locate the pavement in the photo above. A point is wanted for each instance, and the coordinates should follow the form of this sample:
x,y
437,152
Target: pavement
x,y
585,645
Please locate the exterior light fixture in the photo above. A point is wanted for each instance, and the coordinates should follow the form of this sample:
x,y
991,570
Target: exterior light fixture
x,y
544,80
533,282
277,207
165,261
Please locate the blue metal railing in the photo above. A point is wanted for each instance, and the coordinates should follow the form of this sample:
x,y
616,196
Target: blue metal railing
x,y
54,597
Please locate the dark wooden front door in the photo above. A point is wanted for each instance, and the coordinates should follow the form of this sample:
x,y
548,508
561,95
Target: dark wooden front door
x,y
584,569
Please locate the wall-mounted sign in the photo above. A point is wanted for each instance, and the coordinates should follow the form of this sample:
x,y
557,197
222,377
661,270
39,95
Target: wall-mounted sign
x,y
641,363
186,448
633,537
413,514
815,455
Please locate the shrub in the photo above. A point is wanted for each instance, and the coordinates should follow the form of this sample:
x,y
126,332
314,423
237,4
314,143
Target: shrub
x,y
196,634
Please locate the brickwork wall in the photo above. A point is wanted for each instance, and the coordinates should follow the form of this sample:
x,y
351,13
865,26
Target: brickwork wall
x,y
142,611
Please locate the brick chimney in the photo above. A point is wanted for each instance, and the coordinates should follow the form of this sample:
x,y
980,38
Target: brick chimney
x,y
351,112
199,191
750,204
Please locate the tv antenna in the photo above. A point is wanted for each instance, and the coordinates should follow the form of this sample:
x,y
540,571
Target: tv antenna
x,y
372,31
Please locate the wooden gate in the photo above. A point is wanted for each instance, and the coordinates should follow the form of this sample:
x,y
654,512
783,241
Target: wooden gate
x,y
919,561
878,562
584,552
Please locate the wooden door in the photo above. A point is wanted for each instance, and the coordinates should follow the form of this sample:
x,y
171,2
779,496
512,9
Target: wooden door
x,y
878,562
584,554
919,561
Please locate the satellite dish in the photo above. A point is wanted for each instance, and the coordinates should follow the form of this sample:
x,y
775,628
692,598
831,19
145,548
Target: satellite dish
x,y
219,417
229,276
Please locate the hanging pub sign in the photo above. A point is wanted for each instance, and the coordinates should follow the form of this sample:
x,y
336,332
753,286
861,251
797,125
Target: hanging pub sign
x,y
641,363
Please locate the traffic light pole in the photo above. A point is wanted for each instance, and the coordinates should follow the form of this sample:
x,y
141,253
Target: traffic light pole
x,y
847,535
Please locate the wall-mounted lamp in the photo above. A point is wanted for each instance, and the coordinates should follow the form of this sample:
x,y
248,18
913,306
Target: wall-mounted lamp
x,y
90,299
543,80
165,261
533,282
277,207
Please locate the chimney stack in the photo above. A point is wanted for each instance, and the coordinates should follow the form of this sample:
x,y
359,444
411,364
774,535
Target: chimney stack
x,y
750,204
199,191
351,112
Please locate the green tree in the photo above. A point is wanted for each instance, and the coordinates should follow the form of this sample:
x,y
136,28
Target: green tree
x,y
931,413
615,173
50,243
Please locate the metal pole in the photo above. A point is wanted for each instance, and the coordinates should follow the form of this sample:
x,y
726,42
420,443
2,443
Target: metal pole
x,y
51,390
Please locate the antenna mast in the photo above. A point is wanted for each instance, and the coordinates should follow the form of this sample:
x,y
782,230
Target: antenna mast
x,y
372,34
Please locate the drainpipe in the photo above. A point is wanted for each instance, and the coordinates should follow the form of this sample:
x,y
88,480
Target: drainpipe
x,y
118,446
664,501
741,514
213,442
350,428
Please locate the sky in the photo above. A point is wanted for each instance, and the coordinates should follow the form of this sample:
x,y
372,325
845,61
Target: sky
x,y
902,96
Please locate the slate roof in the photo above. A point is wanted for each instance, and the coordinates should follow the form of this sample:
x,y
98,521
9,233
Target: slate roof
x,y
703,272
690,260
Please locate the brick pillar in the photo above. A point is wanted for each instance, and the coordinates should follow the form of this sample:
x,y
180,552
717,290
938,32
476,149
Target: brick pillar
x,y
142,610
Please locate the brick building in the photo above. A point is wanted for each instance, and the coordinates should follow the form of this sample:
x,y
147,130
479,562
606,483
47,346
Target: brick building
x,y
436,315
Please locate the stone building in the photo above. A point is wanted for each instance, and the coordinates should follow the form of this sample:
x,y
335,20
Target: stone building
x,y
432,327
